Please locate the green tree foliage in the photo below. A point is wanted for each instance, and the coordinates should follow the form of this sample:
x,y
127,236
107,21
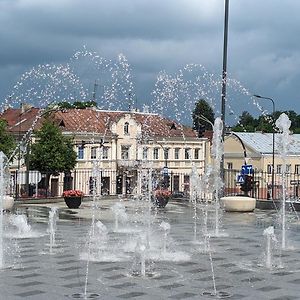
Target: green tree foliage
x,y
76,104
265,123
52,153
246,122
202,108
7,142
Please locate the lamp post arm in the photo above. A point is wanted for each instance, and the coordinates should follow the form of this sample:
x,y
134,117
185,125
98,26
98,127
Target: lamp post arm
x,y
273,143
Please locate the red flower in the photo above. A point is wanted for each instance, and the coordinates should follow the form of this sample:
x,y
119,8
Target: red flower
x,y
72,193
163,193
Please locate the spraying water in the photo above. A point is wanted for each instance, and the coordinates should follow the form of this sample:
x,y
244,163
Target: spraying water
x,y
2,194
20,221
269,233
52,227
283,123
166,227
140,250
120,214
194,195
217,152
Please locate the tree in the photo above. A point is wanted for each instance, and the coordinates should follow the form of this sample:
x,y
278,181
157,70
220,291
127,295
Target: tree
x,y
7,142
202,109
76,104
246,122
52,153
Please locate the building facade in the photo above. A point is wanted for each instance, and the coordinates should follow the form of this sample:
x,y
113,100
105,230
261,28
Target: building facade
x,y
256,149
115,148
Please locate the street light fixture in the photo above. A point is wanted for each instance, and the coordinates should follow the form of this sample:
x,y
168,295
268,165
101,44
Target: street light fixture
x,y
273,141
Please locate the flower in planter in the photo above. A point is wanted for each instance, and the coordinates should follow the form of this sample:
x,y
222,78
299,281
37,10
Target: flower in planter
x,y
72,193
162,193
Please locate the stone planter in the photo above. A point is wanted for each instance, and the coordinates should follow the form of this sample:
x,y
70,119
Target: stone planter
x,y
161,201
8,202
238,203
73,202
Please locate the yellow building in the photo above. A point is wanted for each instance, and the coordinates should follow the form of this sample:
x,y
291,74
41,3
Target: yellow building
x,y
256,149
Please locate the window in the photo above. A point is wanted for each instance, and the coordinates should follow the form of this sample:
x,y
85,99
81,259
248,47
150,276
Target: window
x,y
105,152
126,128
229,165
288,168
94,152
269,169
166,153
279,169
125,152
297,169
145,153
176,153
155,153
80,152
196,156
187,154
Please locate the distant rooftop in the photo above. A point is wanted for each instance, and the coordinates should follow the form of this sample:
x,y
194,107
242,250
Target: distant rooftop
x,y
263,142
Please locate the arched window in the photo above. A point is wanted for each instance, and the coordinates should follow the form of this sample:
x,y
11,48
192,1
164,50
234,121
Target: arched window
x,y
126,128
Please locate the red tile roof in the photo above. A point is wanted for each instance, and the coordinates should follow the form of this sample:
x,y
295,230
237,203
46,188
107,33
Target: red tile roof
x,y
98,121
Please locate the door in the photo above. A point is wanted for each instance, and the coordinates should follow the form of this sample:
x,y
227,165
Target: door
x,y
119,183
54,187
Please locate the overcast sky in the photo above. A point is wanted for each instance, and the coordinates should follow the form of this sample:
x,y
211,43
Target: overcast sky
x,y
263,45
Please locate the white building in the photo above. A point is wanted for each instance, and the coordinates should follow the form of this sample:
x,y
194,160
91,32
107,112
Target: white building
x,y
121,145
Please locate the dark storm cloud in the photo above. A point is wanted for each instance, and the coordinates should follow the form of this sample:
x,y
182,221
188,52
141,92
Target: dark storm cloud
x,y
263,48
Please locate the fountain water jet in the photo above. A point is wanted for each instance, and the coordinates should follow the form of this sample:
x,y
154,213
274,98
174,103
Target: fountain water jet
x,y
269,233
52,227
283,123
2,194
217,153
166,227
20,221
120,214
194,196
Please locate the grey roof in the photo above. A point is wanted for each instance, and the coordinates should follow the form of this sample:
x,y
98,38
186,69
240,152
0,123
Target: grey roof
x,y
262,142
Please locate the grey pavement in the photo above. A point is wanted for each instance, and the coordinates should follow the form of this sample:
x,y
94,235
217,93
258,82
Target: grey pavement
x,y
236,256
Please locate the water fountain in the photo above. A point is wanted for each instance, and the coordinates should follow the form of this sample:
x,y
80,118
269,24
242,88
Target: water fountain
x,y
53,217
269,233
195,196
24,229
150,244
166,227
120,215
2,194
217,152
283,123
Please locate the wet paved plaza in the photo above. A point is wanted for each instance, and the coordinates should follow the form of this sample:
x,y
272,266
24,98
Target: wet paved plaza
x,y
236,257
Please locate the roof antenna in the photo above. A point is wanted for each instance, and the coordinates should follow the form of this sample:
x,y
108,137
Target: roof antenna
x,y
94,91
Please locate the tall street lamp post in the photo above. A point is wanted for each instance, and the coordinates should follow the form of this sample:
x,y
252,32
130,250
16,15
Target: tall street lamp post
x,y
273,142
224,76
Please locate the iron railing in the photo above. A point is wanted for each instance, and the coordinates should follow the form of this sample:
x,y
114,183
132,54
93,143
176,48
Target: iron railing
x,y
25,185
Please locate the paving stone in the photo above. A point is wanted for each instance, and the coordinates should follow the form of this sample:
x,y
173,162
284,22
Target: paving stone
x,y
131,295
71,276
30,293
171,286
123,285
30,283
27,275
185,295
268,288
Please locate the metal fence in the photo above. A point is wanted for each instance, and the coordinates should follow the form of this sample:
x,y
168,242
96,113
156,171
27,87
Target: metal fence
x,y
108,182
262,185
